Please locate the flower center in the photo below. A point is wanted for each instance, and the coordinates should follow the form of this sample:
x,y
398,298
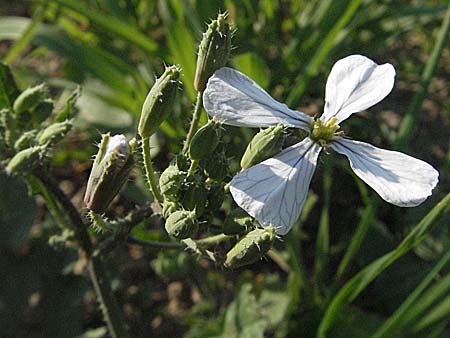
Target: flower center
x,y
324,133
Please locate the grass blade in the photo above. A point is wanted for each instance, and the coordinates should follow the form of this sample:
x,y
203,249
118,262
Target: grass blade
x,y
359,282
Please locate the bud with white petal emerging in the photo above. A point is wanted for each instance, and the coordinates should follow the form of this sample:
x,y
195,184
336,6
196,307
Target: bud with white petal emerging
x,y
110,171
265,144
213,51
159,101
251,248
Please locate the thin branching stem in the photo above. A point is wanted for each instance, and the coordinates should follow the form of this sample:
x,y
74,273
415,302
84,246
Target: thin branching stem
x,y
151,178
195,121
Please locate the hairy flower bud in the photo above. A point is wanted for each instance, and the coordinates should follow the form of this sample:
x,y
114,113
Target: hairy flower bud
x,y
237,222
213,51
26,140
264,145
205,140
24,160
215,166
110,171
250,248
55,132
159,101
169,207
181,224
30,98
170,181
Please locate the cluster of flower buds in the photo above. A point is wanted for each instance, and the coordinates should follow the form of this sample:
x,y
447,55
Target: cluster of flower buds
x,y
28,128
111,168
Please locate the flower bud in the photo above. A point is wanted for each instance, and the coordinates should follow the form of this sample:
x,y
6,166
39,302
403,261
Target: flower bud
x,y
213,51
171,180
194,195
110,171
159,101
8,127
216,196
265,144
30,98
205,140
237,222
24,160
216,166
169,207
26,140
55,132
181,224
250,248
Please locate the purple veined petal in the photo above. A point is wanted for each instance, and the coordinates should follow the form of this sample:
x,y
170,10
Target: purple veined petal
x,y
398,178
356,83
275,190
237,100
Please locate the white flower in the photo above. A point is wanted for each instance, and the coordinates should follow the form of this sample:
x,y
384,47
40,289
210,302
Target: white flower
x,y
275,190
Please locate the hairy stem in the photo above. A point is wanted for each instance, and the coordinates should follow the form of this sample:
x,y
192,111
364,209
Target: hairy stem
x,y
149,170
96,270
195,120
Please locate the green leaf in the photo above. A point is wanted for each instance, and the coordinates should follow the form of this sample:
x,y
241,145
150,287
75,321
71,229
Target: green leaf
x,y
8,88
359,282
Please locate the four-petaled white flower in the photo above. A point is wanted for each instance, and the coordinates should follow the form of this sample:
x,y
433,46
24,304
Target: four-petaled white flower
x,y
275,190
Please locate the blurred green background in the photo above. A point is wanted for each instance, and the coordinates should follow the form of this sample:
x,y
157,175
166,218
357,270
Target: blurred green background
x,y
114,49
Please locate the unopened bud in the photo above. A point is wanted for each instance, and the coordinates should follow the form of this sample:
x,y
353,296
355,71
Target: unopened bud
x,y
205,140
237,222
195,195
110,171
170,181
159,101
25,160
30,98
169,207
213,51
181,224
215,166
251,248
55,132
265,144
26,140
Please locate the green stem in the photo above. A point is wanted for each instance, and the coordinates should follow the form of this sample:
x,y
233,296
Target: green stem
x,y
409,121
213,240
151,178
192,168
195,120
96,270
204,242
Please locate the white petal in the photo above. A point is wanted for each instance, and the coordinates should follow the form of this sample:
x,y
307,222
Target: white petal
x,y
275,190
356,83
237,100
398,178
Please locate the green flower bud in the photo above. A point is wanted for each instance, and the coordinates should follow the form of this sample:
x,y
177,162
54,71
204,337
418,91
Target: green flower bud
x,y
55,132
216,196
265,144
26,140
194,195
181,224
237,222
213,51
251,248
215,166
159,101
170,181
110,171
25,160
30,98
205,140
169,207
8,127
